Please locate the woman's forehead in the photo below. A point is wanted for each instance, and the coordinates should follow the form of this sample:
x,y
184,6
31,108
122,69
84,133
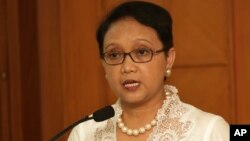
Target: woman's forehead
x,y
129,29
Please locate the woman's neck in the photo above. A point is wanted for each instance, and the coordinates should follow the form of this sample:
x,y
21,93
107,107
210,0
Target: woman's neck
x,y
136,115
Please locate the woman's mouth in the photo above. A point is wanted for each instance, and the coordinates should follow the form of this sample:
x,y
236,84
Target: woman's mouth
x,y
131,85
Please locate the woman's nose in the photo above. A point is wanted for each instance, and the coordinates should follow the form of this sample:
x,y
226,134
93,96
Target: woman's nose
x,y
128,65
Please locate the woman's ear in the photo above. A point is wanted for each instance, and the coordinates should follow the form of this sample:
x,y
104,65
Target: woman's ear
x,y
170,58
104,67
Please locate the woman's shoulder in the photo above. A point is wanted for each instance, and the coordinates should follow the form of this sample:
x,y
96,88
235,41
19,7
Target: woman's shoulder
x,y
207,125
202,116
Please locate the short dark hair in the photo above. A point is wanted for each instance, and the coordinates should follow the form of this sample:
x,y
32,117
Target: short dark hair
x,y
146,13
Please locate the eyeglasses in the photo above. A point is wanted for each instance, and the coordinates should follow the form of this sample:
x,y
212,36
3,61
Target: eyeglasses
x,y
140,55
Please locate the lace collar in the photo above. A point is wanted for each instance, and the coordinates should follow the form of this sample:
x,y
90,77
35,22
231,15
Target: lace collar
x,y
170,126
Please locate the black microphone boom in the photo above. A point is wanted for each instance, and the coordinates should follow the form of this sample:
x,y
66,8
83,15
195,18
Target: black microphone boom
x,y
100,115
103,113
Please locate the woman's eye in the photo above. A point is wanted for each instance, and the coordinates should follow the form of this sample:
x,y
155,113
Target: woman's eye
x,y
143,52
113,55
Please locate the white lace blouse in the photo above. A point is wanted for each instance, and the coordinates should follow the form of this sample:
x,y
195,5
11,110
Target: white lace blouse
x,y
176,121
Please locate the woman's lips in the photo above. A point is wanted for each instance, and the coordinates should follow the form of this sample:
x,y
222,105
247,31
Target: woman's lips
x,y
131,85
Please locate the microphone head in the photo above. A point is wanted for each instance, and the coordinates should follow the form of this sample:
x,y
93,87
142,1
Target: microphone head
x,y
104,113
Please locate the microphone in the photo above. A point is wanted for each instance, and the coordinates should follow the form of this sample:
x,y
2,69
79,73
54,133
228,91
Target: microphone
x,y
100,115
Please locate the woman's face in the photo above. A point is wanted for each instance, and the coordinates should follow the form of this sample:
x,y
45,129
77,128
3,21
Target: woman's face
x,y
136,83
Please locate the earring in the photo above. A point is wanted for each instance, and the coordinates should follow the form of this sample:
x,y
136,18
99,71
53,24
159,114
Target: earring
x,y
167,72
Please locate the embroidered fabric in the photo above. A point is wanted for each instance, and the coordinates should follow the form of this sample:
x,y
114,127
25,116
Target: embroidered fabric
x,y
169,126
107,133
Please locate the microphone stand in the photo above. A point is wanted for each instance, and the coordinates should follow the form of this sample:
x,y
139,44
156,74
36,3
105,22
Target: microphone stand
x,y
100,115
69,127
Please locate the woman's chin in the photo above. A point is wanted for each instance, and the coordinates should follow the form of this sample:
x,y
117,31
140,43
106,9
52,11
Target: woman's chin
x,y
132,101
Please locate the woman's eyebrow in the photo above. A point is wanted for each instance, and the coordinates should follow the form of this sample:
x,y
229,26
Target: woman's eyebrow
x,y
141,39
108,45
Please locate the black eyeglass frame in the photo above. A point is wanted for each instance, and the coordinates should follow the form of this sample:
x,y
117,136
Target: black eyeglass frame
x,y
129,54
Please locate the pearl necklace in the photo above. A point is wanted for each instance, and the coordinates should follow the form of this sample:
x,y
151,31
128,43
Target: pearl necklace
x,y
135,132
141,130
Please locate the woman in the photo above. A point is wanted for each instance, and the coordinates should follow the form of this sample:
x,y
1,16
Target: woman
x,y
136,48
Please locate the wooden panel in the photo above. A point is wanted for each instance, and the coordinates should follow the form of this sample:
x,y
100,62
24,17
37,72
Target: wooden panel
x,y
81,65
201,31
14,70
202,34
51,69
29,70
23,70
4,97
242,57
206,88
